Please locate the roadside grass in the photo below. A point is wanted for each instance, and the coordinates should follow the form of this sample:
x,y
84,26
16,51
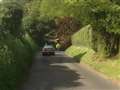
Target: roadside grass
x,y
109,67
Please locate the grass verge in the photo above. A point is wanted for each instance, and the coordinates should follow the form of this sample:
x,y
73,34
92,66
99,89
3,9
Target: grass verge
x,y
109,67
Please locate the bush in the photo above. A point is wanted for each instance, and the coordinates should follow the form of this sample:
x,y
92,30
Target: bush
x,y
103,42
83,37
15,57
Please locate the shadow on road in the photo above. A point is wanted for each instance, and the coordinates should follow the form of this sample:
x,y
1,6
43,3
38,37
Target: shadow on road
x,y
79,56
61,59
62,77
59,73
50,73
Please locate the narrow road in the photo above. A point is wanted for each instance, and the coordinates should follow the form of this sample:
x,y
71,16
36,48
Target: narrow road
x,y
64,73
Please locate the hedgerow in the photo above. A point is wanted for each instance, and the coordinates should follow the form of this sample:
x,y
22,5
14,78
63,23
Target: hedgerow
x,y
83,37
15,57
16,46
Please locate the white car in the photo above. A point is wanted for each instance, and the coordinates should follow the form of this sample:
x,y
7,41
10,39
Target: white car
x,y
48,50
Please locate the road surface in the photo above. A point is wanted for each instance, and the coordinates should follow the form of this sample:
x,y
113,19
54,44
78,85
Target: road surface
x,y
64,73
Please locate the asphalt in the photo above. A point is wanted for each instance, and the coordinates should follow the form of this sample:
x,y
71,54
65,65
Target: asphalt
x,y
61,72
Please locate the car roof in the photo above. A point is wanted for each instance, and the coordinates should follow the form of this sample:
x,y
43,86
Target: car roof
x,y
48,46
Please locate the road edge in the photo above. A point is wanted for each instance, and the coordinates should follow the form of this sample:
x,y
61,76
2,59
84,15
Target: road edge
x,y
88,67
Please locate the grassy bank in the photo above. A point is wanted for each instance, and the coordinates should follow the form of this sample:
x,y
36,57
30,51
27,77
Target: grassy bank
x,y
109,67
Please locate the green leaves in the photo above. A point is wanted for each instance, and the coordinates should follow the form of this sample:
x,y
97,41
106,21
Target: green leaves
x,y
5,54
16,51
100,13
103,14
11,14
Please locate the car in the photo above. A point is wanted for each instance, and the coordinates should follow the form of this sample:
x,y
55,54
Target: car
x,y
48,50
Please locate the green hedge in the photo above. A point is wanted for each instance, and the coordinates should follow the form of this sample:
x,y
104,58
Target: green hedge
x,y
15,57
83,37
104,43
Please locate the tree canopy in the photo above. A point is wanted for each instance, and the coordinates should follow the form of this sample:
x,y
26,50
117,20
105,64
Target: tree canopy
x,y
11,18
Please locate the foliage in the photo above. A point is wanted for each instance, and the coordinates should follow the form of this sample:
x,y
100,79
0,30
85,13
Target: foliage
x,y
115,1
103,15
16,46
83,37
15,57
66,26
11,18
56,10
36,24
104,43
80,52
38,18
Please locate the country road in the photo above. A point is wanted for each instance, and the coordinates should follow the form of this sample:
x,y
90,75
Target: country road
x,y
61,72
